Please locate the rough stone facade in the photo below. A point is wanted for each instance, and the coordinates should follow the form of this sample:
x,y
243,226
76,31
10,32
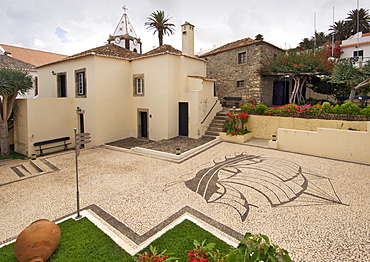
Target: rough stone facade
x,y
240,79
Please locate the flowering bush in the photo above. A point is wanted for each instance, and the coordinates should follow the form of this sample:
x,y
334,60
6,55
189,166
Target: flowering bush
x,y
234,123
253,248
152,255
347,108
204,253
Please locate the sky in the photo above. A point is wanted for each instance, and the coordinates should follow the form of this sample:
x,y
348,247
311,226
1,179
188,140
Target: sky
x,y
69,26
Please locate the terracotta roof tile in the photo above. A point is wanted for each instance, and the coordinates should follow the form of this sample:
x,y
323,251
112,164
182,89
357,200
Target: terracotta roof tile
x,y
12,63
239,43
31,56
109,50
361,43
232,45
163,49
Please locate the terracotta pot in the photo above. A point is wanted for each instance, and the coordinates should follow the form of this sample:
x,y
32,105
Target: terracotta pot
x,y
37,242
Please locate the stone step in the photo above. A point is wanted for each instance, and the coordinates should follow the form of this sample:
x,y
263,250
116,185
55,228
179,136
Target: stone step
x,y
217,123
218,129
212,133
30,169
35,167
42,165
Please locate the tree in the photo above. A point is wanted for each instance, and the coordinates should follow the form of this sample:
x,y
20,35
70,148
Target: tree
x,y
299,66
362,16
12,82
159,23
340,30
347,74
318,40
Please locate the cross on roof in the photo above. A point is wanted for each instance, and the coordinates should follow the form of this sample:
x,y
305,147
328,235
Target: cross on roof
x,y
124,9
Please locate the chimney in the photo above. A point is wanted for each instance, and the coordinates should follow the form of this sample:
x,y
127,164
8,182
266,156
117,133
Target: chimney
x,y
187,30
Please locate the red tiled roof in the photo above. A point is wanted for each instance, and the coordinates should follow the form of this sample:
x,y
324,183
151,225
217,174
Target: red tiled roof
x,y
362,43
109,50
163,49
13,63
239,43
31,56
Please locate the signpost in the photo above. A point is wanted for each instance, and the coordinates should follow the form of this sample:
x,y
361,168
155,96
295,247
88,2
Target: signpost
x,y
80,139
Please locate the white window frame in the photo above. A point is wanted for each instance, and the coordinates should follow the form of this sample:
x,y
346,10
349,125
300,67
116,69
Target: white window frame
x,y
139,85
81,86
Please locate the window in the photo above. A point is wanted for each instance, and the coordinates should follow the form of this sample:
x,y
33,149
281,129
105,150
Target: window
x,y
139,85
240,83
358,53
62,85
242,57
80,79
36,83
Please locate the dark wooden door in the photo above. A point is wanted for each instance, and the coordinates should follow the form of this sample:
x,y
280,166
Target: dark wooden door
x,y
280,93
183,119
143,124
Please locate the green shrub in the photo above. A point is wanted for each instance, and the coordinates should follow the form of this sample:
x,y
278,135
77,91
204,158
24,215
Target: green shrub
x,y
336,109
228,124
255,248
326,107
260,109
247,108
366,111
350,108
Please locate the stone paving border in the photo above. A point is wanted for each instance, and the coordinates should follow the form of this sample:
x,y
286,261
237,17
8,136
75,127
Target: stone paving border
x,y
220,230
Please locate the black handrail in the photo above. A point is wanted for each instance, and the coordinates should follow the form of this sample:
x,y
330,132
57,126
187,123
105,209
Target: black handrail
x,y
209,112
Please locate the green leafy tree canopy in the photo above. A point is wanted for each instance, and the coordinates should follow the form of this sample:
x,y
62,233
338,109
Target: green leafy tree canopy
x,y
12,83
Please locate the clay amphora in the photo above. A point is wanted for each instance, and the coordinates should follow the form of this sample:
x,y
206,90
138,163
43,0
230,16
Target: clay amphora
x,y
37,242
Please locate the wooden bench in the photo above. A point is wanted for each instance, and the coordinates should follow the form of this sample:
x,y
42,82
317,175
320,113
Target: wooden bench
x,y
41,144
233,101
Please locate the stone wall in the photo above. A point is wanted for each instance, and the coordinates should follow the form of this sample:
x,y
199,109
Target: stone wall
x,y
224,67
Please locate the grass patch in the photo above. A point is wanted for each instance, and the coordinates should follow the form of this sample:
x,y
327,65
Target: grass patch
x,y
181,237
12,155
82,241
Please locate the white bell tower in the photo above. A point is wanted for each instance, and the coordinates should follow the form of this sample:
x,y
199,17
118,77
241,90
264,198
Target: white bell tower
x,y
125,35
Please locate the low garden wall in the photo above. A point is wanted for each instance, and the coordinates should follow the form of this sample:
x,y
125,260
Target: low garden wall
x,y
343,144
266,126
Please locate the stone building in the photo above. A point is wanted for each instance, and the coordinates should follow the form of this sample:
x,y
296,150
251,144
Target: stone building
x,y
235,66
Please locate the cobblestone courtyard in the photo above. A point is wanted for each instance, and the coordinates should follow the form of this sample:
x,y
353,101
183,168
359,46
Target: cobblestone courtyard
x,y
316,208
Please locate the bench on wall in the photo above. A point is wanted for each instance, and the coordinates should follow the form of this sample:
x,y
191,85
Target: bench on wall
x,y
52,143
231,101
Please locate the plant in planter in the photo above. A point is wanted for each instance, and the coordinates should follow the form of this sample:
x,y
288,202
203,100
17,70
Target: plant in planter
x,y
235,123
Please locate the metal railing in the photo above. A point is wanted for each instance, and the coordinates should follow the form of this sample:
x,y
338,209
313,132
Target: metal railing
x,y
209,112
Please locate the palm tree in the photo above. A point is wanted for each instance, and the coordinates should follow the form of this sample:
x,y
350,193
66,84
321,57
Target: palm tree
x,y
362,16
159,23
12,82
340,30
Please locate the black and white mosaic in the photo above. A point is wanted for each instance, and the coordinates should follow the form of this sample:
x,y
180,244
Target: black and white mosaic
x,y
244,181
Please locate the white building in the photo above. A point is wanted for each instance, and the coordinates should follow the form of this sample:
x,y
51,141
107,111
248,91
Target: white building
x,y
357,48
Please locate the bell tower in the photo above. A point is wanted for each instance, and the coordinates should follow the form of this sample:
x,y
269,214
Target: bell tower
x,y
125,35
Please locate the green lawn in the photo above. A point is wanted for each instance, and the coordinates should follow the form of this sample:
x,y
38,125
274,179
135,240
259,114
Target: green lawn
x,y
82,241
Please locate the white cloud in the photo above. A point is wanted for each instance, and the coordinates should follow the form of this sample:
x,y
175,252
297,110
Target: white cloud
x,y
87,24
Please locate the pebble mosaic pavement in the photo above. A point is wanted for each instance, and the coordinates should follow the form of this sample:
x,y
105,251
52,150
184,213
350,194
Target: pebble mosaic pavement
x,y
316,208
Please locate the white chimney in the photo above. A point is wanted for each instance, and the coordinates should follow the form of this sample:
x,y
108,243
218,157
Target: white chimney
x,y
187,30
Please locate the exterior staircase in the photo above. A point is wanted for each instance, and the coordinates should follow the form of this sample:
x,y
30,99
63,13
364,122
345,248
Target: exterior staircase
x,y
217,124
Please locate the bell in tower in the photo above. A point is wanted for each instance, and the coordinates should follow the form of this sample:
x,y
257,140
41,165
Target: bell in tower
x,y
125,35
